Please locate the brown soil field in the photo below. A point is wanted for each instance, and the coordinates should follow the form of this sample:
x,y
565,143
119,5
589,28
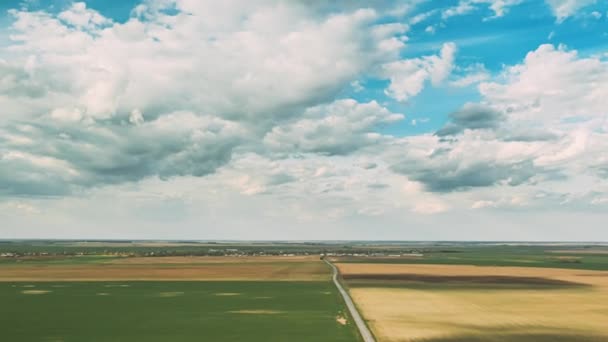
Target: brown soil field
x,y
433,303
476,279
284,270
548,275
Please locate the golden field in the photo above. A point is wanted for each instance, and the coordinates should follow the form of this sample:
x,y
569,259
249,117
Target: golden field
x,y
449,303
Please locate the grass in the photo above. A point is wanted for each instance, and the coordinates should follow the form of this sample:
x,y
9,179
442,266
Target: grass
x,y
172,311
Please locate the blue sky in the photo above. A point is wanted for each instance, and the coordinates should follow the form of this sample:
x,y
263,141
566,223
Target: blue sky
x,y
237,119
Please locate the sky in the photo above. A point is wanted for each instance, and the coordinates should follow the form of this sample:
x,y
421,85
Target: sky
x,y
304,120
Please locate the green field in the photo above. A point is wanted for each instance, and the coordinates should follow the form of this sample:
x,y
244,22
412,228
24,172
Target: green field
x,y
522,256
172,311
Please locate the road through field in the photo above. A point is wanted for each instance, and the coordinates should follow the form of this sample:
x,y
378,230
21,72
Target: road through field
x,y
365,333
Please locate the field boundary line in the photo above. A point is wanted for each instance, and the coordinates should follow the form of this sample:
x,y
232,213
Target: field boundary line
x,y
364,331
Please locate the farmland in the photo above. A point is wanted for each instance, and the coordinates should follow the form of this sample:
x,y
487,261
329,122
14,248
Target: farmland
x,y
450,303
166,268
110,298
276,291
172,311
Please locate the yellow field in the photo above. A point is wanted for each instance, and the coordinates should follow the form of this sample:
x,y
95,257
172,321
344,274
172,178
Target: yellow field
x,y
172,268
449,303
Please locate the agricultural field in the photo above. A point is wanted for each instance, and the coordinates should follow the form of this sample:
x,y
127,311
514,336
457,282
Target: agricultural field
x,y
91,268
547,256
172,311
266,291
171,299
453,303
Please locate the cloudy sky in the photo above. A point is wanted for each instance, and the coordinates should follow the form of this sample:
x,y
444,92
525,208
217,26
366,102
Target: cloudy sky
x,y
409,120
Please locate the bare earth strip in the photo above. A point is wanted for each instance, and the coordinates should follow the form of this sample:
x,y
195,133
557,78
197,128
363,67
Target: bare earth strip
x,y
550,274
445,308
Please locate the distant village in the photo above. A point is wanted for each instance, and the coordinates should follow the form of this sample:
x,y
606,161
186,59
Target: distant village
x,y
233,252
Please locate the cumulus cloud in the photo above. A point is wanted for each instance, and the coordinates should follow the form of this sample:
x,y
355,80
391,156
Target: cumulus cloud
x,y
554,83
408,77
471,116
79,16
109,69
78,155
469,162
338,128
540,124
177,87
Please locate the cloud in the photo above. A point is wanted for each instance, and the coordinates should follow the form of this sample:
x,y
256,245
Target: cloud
x,y
499,7
180,85
540,126
464,164
422,17
473,74
80,17
78,155
408,76
108,69
338,128
471,116
563,9
554,84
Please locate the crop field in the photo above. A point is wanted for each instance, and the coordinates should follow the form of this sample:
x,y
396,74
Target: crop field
x,y
165,268
453,303
172,311
102,298
589,258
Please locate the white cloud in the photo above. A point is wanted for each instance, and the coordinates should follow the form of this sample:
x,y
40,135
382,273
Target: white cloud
x,y
552,84
408,76
422,17
538,138
109,70
596,15
462,8
136,117
338,128
79,16
357,87
499,7
172,95
563,9
473,74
